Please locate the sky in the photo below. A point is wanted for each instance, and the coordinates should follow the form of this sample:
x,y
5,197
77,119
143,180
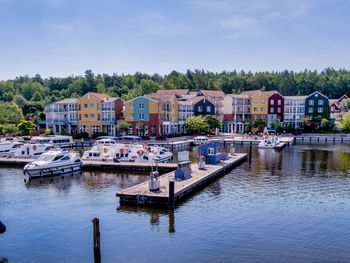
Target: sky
x,y
65,37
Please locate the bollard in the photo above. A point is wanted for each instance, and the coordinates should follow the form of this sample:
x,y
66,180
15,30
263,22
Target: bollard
x,y
2,228
171,199
342,140
310,139
96,238
326,140
250,154
334,140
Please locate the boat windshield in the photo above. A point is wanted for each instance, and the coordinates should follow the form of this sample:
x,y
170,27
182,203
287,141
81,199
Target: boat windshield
x,y
46,157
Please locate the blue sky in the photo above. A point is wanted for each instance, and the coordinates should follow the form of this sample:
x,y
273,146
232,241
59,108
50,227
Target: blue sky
x,y
65,37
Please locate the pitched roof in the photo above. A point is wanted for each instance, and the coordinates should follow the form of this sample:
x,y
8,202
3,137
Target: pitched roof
x,y
251,92
100,96
67,101
162,97
294,97
194,100
238,96
271,92
177,92
317,93
212,93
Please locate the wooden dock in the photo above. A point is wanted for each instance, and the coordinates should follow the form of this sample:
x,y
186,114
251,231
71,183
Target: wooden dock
x,y
141,195
99,165
128,166
255,140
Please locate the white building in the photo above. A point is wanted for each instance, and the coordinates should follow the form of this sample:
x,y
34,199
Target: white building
x,y
294,111
61,116
236,113
186,110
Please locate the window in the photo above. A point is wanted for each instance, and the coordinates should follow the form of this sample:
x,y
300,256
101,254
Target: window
x,y
141,116
320,102
263,101
85,106
79,117
311,110
255,101
92,116
86,116
92,105
208,109
311,102
272,109
262,109
98,117
79,107
272,102
320,110
279,102
141,106
255,109
200,108
278,110
210,151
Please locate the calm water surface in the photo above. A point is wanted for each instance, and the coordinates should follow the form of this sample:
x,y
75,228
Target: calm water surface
x,y
288,206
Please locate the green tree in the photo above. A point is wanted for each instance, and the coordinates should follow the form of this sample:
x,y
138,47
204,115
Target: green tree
x,y
20,101
10,113
324,123
148,86
37,96
100,88
123,126
214,122
197,124
26,127
260,124
276,125
345,124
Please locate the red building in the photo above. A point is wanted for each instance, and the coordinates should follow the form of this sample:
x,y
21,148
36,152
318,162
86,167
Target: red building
x,y
275,106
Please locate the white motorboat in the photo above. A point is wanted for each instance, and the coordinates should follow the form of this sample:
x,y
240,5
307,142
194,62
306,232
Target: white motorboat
x,y
103,149
54,162
199,140
143,153
8,148
32,150
269,142
58,140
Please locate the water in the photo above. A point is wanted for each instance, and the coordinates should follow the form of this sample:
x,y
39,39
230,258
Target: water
x,y
288,206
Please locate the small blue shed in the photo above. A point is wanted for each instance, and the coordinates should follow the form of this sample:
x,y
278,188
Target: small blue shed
x,y
211,152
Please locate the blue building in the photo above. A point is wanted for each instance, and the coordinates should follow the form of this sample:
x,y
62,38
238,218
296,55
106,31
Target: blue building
x,y
203,106
316,104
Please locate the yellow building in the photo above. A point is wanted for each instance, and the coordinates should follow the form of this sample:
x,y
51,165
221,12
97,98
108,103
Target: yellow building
x,y
98,113
258,105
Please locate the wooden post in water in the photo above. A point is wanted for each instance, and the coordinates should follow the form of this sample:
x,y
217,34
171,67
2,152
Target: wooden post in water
x,y
2,228
171,221
171,199
96,236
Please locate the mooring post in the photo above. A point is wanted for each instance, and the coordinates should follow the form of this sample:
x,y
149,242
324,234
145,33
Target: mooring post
x,y
342,140
171,199
326,140
310,139
2,228
96,237
250,153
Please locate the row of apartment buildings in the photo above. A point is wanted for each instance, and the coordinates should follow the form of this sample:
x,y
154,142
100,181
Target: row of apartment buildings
x,y
166,111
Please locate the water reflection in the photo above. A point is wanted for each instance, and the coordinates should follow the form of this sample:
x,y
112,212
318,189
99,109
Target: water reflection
x,y
155,215
59,183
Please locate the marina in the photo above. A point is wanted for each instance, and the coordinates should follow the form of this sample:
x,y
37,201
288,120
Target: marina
x,y
295,201
141,194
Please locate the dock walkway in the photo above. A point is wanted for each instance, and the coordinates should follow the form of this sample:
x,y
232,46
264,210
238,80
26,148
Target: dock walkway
x,y
141,195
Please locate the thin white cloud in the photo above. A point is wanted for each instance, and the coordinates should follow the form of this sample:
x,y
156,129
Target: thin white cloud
x,y
158,25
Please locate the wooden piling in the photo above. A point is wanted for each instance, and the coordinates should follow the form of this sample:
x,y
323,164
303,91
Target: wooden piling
x,y
96,240
171,201
171,221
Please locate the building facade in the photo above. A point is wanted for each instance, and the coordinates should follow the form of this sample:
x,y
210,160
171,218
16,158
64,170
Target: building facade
x,y
61,116
275,107
316,104
145,115
98,113
236,113
294,111
202,106
217,98
335,107
170,112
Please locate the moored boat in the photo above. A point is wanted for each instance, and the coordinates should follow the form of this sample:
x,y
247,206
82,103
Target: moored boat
x,y
54,162
32,150
269,142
